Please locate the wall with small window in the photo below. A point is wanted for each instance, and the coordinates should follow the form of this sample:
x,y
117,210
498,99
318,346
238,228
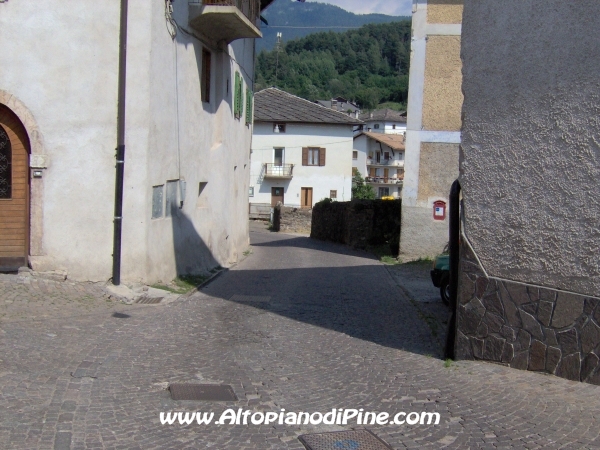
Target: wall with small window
x,y
314,156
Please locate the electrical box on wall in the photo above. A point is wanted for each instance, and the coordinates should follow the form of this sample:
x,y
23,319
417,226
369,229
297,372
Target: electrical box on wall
x,y
439,210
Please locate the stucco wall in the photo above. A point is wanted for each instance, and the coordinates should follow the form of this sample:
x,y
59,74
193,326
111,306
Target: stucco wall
x,y
437,171
444,11
442,95
64,65
335,175
529,161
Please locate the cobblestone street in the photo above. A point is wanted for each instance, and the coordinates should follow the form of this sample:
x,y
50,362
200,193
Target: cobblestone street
x,y
299,324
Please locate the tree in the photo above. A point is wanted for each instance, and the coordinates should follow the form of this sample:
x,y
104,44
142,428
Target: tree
x,y
360,190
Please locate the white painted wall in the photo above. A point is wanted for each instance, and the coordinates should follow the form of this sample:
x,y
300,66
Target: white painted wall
x,y
335,175
63,61
361,144
385,127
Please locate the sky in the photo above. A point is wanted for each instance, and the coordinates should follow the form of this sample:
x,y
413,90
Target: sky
x,y
389,7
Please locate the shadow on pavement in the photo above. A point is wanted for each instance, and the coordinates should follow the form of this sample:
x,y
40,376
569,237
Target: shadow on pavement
x,y
360,301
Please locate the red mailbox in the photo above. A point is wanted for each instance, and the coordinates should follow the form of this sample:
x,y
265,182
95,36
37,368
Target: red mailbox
x,y
439,210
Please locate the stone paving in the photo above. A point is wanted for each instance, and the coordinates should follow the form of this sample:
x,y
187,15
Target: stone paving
x,y
314,326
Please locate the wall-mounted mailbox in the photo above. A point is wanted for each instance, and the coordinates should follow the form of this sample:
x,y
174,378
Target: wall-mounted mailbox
x,y
439,210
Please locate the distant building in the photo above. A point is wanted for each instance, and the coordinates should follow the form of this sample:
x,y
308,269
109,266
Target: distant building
x,y
433,128
340,104
385,121
380,160
301,151
187,134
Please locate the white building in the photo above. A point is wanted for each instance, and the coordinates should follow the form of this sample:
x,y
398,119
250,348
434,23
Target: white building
x,y
185,132
380,160
301,152
384,121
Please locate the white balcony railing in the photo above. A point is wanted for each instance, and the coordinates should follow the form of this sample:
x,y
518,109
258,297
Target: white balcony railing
x,y
384,180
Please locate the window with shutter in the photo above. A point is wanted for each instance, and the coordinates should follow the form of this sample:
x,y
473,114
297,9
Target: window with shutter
x,y
241,100
249,98
322,157
236,97
305,156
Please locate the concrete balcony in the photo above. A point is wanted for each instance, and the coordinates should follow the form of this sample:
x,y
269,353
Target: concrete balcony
x,y
225,20
384,180
275,171
385,162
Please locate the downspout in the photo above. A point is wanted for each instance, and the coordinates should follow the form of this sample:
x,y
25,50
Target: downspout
x,y
454,247
120,154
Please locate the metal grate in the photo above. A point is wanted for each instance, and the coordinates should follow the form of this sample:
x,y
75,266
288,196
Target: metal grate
x,y
251,298
149,300
203,392
344,440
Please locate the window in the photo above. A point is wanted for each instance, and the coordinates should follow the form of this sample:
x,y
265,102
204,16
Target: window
x,y
384,192
279,128
251,191
249,110
238,104
157,201
332,194
171,198
376,126
278,157
5,166
378,157
355,154
386,155
312,156
205,88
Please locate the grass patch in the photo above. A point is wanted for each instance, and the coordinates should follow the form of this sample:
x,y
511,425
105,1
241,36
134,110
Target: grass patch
x,y
248,252
448,363
185,283
383,253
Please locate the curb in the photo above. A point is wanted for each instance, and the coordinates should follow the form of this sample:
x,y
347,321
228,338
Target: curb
x,y
205,283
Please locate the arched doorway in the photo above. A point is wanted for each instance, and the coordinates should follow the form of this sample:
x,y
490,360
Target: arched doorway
x,y
14,191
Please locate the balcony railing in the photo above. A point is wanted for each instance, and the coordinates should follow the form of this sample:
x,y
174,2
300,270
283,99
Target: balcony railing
x,y
279,171
226,20
384,180
385,162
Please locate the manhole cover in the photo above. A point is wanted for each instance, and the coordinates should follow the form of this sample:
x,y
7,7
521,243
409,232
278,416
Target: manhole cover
x,y
251,298
206,392
344,440
149,300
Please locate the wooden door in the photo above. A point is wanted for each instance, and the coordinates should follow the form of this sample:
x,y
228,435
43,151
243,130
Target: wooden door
x,y
14,191
276,196
386,175
306,197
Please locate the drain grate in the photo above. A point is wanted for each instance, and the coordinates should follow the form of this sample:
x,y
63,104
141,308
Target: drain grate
x,y
251,298
344,440
203,392
149,300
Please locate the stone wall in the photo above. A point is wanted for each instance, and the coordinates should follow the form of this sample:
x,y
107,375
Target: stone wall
x,y
359,223
295,220
526,327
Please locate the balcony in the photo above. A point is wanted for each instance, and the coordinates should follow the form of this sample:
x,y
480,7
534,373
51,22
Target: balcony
x,y
385,162
384,180
279,171
225,20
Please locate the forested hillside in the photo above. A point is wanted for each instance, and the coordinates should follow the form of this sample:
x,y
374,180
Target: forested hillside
x,y
368,65
295,20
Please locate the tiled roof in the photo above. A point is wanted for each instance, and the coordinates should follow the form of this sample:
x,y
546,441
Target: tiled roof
x,y
395,141
384,114
275,105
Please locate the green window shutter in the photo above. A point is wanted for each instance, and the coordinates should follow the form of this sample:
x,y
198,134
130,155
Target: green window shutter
x,y
249,97
236,95
241,101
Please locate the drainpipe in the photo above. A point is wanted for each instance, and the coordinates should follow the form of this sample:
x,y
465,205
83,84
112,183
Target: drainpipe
x,y
120,155
454,247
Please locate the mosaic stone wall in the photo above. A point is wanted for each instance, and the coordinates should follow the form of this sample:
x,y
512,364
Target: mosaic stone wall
x,y
526,327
